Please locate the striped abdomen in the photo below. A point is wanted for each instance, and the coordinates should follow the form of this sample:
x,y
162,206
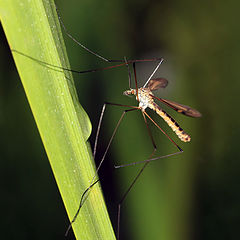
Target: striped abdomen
x,y
171,123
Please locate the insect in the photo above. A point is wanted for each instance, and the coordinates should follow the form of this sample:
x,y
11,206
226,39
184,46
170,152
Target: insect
x,y
145,97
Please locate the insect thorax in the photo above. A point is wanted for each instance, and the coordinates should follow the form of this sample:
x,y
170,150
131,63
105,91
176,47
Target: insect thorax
x,y
144,98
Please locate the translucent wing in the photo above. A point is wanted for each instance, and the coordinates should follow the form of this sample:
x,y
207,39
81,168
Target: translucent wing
x,y
186,110
157,83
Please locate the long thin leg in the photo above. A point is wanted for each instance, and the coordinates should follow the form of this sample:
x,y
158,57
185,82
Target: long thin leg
x,y
114,132
133,182
113,66
81,203
94,181
124,197
160,157
144,166
58,68
149,131
163,132
136,178
135,79
76,41
148,160
87,49
129,73
98,130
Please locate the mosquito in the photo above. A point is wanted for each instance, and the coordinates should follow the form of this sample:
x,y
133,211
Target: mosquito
x,y
144,95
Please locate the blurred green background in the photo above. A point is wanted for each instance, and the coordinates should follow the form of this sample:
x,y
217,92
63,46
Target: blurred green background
x,y
190,196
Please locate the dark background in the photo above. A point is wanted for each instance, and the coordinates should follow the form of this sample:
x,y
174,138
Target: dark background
x,y
194,195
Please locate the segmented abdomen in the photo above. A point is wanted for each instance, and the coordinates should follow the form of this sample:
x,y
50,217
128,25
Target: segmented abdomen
x,y
171,123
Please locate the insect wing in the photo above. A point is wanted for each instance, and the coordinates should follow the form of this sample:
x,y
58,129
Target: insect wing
x,y
186,110
157,83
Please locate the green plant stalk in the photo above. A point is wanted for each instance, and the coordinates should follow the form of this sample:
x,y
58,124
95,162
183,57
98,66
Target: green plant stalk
x,y
32,29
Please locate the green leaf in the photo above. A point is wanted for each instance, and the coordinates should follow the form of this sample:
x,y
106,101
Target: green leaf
x,y
33,32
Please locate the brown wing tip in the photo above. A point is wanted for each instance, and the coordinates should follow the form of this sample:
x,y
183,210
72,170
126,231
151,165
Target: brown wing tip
x,y
190,112
195,113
